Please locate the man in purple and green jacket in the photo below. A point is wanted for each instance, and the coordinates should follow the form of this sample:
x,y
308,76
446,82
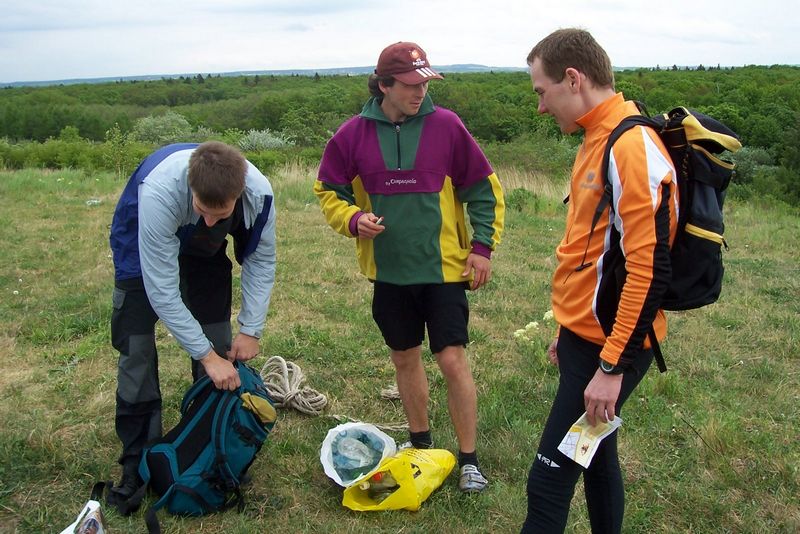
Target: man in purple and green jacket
x,y
397,178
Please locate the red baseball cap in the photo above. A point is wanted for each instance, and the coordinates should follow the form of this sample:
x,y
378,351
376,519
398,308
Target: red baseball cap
x,y
406,62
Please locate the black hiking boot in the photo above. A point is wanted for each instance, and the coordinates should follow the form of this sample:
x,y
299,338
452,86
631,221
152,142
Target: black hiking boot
x,y
119,496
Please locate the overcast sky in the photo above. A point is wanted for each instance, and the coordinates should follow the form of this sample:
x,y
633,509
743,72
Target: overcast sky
x,y
62,39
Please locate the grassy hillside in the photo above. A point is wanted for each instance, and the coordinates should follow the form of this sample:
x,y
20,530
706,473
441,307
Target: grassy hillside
x,y
711,446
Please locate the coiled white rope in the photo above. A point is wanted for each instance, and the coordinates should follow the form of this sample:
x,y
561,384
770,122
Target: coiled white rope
x,y
284,382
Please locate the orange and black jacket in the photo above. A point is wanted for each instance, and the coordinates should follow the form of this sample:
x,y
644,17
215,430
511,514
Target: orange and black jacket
x,y
611,296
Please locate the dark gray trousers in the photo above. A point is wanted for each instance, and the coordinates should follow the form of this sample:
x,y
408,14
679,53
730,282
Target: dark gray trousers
x,y
206,290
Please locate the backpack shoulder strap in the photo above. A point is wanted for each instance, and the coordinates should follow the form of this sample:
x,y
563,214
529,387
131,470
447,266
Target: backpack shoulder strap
x,y
657,354
219,425
193,392
626,124
605,201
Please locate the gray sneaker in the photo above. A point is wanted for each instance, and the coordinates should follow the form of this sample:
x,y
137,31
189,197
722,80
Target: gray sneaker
x,y
471,480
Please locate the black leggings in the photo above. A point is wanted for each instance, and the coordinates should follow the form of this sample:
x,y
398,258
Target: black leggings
x,y
552,478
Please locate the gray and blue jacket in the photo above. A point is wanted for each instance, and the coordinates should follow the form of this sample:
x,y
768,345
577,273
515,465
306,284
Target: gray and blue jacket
x,y
154,222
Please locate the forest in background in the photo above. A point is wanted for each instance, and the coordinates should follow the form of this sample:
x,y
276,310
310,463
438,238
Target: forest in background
x,y
275,119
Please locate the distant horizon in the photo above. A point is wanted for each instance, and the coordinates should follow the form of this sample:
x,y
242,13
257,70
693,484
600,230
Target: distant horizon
x,y
332,71
51,41
461,67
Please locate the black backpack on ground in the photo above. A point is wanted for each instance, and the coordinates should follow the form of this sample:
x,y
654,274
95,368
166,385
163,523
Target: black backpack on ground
x,y
694,142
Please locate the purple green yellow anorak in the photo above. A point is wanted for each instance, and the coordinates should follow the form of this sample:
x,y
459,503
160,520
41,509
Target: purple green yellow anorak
x,y
418,175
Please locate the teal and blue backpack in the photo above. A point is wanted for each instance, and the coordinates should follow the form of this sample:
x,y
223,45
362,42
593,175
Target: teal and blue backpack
x,y
198,466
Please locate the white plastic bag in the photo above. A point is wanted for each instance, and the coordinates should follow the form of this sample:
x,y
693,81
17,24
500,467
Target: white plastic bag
x,y
352,451
89,521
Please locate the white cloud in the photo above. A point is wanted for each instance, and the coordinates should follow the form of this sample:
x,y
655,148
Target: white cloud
x,y
50,39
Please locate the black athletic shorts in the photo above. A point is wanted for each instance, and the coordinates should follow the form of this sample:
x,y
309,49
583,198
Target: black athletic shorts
x,y
401,313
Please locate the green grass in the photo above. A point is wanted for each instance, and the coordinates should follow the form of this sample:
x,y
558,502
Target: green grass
x,y
711,446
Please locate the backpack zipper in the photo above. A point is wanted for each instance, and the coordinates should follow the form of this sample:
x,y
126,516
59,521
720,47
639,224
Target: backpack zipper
x,y
702,233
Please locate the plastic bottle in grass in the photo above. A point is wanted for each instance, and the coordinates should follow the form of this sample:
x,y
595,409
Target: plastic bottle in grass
x,y
354,452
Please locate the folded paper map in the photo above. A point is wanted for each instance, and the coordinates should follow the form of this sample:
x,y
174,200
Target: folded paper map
x,y
582,440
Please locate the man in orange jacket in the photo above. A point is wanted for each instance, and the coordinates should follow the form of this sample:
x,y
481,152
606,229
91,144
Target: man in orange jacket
x,y
606,289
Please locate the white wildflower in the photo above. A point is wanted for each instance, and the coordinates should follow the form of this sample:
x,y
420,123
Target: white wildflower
x,y
548,315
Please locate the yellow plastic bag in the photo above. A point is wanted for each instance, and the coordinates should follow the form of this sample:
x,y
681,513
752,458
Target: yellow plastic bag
x,y
417,471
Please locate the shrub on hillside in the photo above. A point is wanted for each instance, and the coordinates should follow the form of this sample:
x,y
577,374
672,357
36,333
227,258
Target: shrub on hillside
x,y
521,199
308,128
749,162
79,154
789,180
120,153
263,140
163,129
5,154
631,90
265,160
204,133
758,176
552,156
59,154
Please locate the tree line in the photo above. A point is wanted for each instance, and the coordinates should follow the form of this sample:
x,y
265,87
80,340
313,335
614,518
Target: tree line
x,y
278,116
